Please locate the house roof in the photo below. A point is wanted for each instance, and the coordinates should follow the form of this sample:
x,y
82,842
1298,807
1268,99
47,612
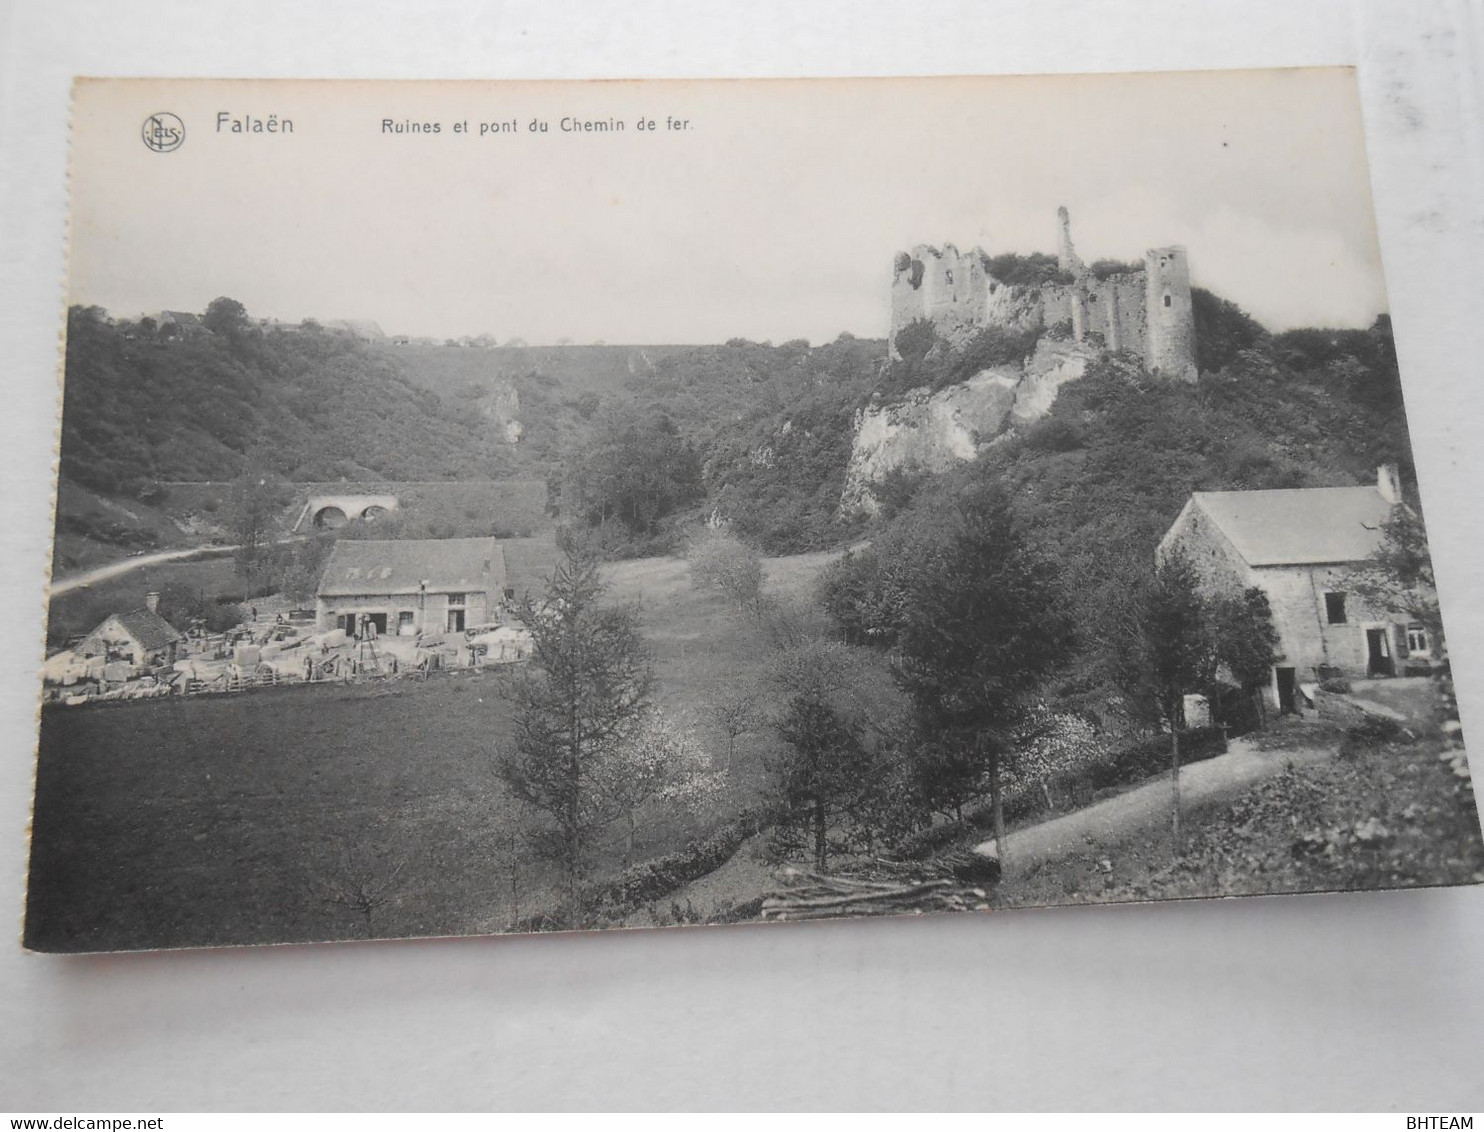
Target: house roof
x,y
150,629
1299,526
394,566
180,318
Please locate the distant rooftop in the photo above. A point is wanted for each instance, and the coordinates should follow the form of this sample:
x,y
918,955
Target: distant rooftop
x,y
399,566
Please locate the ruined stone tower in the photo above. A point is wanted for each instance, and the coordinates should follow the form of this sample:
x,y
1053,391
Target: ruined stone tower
x,y
1066,254
1170,315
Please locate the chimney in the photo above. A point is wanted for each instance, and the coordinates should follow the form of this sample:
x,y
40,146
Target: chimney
x,y
1389,483
152,602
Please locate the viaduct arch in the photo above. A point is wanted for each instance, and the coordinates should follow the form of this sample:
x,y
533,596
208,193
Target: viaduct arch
x,y
336,509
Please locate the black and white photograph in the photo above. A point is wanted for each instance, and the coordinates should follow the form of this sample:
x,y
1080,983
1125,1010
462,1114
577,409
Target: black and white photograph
x,y
522,507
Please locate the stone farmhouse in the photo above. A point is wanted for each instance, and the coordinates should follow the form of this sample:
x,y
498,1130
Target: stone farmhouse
x,y
1145,309
1298,546
140,637
410,587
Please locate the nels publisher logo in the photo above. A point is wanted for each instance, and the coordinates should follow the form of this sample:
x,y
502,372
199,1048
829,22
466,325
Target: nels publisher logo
x,y
163,132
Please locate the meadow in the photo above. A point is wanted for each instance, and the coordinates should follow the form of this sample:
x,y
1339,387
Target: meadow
x,y
345,811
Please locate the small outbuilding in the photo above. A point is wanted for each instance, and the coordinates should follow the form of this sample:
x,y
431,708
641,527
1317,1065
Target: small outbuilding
x,y
140,637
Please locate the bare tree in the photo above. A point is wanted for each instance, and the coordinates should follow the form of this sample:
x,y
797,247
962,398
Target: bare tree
x,y
361,882
738,712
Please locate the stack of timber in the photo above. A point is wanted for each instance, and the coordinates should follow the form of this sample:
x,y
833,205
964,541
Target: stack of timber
x,y
814,896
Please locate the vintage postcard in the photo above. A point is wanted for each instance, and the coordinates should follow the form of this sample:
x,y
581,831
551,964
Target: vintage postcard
x,y
506,507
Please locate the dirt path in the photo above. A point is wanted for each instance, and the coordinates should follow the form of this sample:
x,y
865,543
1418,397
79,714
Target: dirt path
x,y
1146,809
108,570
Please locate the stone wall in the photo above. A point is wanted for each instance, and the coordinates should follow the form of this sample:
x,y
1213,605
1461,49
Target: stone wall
x,y
957,294
429,612
1221,569
1308,640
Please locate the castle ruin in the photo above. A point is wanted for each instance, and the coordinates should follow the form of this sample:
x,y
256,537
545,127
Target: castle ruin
x,y
1145,311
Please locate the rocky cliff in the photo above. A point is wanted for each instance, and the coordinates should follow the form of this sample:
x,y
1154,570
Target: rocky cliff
x,y
931,431
501,406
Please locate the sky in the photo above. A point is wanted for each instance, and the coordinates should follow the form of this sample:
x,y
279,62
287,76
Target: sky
x,y
775,213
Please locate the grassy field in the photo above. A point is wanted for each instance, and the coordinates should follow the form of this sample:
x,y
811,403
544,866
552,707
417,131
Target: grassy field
x,y
241,819
260,816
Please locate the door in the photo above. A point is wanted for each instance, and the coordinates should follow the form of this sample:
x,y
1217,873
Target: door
x,y
455,620
1287,686
1378,653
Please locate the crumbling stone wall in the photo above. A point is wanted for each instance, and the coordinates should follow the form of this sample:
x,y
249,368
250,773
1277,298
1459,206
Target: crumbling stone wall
x,y
948,288
1147,313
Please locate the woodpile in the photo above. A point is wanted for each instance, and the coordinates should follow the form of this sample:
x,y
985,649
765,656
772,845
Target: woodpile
x,y
813,896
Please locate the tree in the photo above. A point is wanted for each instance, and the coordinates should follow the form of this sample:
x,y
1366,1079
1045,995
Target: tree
x,y
1179,655
1398,576
635,470
823,771
1246,641
297,567
660,762
985,623
186,606
717,560
583,697
255,505
226,317
828,712
737,713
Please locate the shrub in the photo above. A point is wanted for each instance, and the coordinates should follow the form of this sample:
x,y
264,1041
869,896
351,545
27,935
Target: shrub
x,y
1371,734
1103,268
1055,434
1335,684
661,876
1031,270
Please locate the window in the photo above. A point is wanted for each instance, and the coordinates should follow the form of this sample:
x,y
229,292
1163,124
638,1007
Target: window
x,y
1167,300
404,620
948,278
455,599
1334,608
1416,638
